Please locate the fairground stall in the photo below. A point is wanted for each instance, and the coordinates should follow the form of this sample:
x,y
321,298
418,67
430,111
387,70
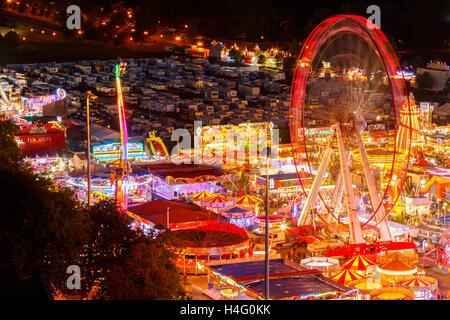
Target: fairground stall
x,y
103,184
112,151
326,265
41,139
231,146
173,181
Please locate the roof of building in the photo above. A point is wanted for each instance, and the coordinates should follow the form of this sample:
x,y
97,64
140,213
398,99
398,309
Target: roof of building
x,y
179,212
191,171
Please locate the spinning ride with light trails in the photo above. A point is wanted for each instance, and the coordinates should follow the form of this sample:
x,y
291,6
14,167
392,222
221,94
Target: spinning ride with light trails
x,y
121,175
348,81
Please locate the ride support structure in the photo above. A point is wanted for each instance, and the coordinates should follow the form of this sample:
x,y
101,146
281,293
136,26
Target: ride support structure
x,y
380,215
121,175
440,254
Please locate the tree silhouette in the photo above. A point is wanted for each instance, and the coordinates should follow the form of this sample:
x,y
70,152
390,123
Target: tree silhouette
x,y
424,81
11,39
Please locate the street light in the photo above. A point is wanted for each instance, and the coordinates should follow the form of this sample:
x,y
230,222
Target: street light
x,y
89,95
266,246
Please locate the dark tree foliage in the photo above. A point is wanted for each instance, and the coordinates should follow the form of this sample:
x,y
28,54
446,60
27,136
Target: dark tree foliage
x,y
289,67
11,39
261,59
45,231
236,55
417,62
424,81
41,229
140,276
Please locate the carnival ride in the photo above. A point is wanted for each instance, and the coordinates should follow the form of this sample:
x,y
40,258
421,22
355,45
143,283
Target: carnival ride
x,y
348,125
123,168
440,254
154,146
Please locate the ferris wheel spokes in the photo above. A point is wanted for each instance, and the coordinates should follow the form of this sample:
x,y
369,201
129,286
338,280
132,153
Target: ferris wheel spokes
x,y
312,196
350,200
380,213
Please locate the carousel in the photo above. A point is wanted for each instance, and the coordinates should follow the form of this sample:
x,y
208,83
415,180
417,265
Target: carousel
x,y
366,286
202,195
361,264
239,216
396,270
216,241
248,201
391,293
217,202
424,288
406,257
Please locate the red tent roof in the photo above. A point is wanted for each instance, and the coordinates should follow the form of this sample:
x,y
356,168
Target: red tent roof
x,y
179,212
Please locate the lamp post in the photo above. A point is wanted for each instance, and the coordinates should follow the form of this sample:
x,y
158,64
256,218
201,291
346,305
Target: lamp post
x,y
438,200
89,95
266,247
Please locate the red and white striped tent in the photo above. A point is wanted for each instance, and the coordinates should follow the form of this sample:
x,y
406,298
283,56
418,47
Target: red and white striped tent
x,y
359,263
247,200
417,281
345,276
202,195
217,201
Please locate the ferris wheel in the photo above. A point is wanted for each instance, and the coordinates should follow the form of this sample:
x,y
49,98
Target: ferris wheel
x,y
345,65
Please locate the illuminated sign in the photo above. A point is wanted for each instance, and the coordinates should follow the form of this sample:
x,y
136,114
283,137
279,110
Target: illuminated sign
x,y
315,132
36,104
113,150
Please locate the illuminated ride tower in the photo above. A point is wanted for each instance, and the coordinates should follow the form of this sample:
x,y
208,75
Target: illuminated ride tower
x,y
409,131
374,45
123,168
